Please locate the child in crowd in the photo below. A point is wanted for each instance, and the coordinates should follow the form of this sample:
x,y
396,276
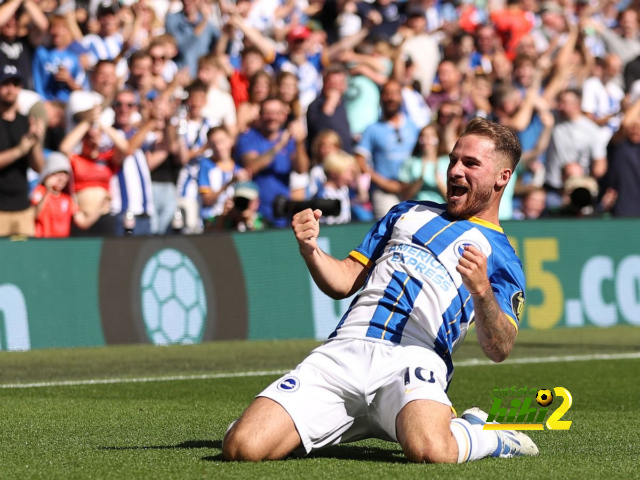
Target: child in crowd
x,y
340,169
218,175
193,128
55,208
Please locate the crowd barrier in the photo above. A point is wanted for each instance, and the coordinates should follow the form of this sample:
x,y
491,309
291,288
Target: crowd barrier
x,y
180,289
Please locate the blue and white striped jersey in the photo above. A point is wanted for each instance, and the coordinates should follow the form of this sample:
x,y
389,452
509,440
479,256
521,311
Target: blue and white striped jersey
x,y
413,294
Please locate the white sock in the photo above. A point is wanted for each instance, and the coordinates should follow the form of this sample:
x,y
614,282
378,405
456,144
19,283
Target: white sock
x,y
473,442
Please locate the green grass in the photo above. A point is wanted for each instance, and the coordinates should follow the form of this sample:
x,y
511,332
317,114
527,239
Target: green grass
x,y
173,429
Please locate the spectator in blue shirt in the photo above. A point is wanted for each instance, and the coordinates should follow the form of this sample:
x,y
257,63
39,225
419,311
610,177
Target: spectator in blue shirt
x,y
384,147
270,152
194,33
56,70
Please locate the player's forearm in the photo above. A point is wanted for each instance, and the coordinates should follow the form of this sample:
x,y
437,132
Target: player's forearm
x,y
334,277
495,333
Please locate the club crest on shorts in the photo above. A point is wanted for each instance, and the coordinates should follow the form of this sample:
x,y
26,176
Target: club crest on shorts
x,y
289,384
458,247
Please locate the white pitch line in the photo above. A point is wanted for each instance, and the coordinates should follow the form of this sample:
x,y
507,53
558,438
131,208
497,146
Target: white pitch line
x,y
265,373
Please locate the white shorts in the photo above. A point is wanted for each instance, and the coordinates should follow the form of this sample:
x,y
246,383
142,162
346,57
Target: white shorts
x,y
350,389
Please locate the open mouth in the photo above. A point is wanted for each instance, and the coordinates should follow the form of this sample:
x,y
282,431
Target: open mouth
x,y
456,192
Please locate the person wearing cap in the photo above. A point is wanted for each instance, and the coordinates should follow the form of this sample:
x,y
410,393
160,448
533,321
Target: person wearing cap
x,y
56,69
193,31
55,208
241,213
15,50
20,148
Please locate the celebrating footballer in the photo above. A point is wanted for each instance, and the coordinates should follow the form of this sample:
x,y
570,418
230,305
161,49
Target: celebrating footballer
x,y
423,274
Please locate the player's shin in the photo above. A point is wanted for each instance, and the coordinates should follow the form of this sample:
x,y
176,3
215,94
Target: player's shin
x,y
473,442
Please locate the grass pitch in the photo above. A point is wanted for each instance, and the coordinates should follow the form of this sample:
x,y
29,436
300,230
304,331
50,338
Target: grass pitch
x,y
173,428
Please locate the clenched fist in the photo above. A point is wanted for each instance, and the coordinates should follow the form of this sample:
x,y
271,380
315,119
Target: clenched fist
x,y
306,226
472,266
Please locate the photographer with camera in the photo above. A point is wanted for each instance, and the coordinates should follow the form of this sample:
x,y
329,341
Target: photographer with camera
x,y
241,212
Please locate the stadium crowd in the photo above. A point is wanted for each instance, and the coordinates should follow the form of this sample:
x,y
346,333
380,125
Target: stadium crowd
x,y
155,116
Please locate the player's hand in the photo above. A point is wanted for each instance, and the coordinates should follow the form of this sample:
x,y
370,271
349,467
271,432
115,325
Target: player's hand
x,y
472,266
306,226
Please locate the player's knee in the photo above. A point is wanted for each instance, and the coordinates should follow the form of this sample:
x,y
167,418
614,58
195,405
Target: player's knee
x,y
427,450
238,446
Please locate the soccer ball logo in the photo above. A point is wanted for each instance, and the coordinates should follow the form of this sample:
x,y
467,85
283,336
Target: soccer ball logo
x,y
544,397
174,305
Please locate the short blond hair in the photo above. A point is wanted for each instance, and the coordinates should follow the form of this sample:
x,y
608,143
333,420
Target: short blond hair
x,y
338,162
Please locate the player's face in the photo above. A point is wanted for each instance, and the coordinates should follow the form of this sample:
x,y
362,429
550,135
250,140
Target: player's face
x,y
471,177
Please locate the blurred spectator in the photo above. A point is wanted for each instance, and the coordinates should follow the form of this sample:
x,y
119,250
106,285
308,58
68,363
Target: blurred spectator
x,y
287,90
55,208
390,15
623,41
140,73
622,195
421,48
218,175
56,69
193,31
242,213
485,47
575,139
108,42
219,108
533,204
18,50
166,153
325,142
20,149
327,112
425,174
449,88
93,168
271,152
602,97
193,128
131,191
340,170
384,147
252,63
511,23
249,111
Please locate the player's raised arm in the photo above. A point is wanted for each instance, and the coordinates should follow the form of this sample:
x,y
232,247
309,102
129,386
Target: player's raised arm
x,y
337,278
495,332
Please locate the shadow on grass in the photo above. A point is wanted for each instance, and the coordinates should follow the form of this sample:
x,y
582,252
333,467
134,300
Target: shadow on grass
x,y
189,444
343,452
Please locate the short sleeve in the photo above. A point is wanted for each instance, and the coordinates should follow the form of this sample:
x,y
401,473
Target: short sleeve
x,y
245,145
377,238
38,194
508,285
203,176
365,147
406,171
